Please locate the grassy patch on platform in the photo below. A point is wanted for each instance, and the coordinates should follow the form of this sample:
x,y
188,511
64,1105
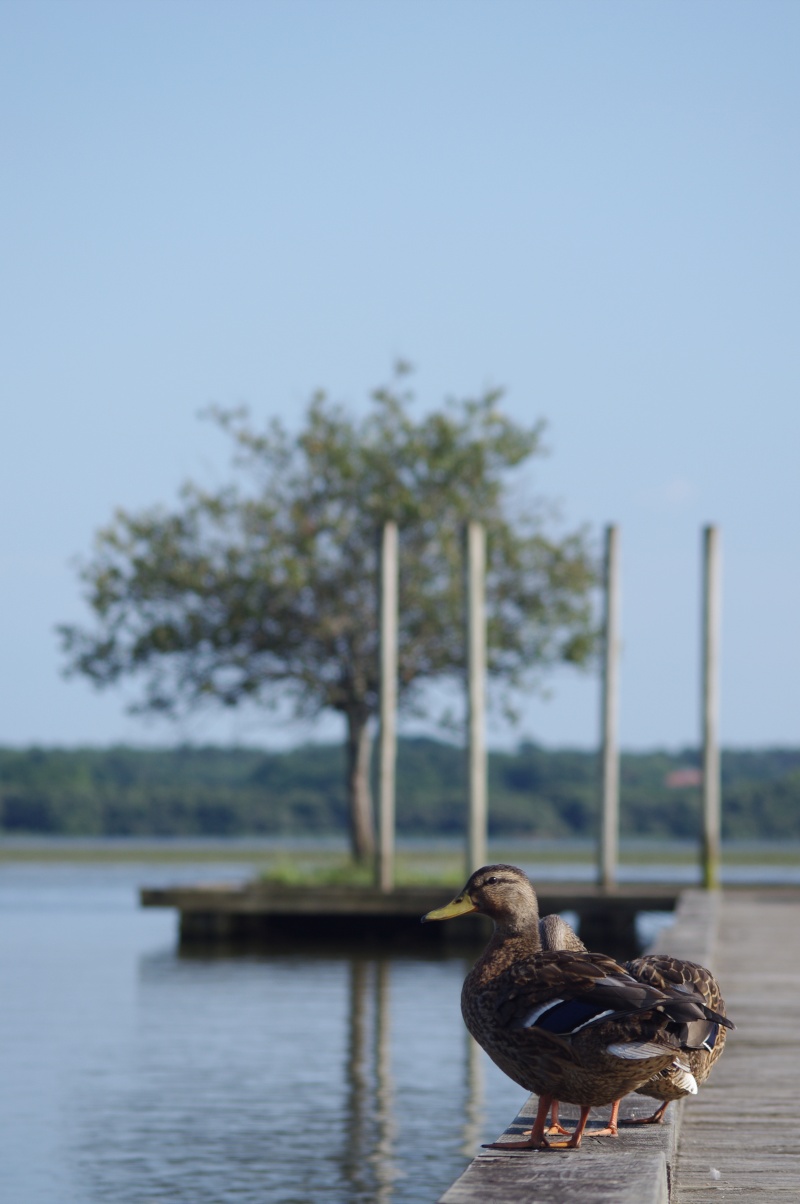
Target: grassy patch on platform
x,y
411,869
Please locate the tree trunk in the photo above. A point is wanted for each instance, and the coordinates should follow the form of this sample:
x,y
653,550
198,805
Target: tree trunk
x,y
359,794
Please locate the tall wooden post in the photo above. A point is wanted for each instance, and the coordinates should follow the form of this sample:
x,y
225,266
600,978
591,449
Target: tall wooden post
x,y
387,740
475,572
710,705
609,756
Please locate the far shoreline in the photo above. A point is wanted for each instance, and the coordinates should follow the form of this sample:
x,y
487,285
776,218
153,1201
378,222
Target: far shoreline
x,y
330,848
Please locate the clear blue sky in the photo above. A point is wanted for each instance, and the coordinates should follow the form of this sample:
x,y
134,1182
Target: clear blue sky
x,y
595,205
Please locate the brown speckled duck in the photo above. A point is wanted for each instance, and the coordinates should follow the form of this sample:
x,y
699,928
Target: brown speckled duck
x,y
675,974
571,1026
693,1066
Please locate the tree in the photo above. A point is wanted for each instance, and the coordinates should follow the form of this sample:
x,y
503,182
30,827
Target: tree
x,y
265,590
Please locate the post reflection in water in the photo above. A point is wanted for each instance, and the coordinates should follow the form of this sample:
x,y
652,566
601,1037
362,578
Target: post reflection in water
x,y
385,1093
442,1102
474,1111
416,1098
369,1129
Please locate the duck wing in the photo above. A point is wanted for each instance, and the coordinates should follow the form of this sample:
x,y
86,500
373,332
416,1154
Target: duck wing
x,y
563,992
677,975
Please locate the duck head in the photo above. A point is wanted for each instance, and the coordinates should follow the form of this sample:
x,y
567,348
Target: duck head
x,y
501,892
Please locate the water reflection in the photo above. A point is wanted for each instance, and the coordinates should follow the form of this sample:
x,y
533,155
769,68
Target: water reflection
x,y
371,1153
473,1113
370,1132
291,1078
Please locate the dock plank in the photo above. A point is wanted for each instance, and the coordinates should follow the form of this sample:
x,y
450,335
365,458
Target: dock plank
x,y
633,1169
740,1136
633,1179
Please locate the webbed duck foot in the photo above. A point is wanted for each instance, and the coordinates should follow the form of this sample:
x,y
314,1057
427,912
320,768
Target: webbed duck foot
x,y
555,1129
656,1119
612,1128
530,1144
536,1140
574,1142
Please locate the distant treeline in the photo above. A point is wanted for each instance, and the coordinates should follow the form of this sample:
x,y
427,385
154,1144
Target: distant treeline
x,y
213,791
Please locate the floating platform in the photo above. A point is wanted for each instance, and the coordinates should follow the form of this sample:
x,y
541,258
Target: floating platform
x,y
254,914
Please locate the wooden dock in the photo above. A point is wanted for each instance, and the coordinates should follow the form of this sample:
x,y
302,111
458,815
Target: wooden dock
x,y
738,1139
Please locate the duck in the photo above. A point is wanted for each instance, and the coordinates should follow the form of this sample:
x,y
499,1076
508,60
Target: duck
x,y
677,974
566,1024
693,1066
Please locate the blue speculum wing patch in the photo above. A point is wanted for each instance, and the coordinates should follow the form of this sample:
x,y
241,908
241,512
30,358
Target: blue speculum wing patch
x,y
566,1016
712,1038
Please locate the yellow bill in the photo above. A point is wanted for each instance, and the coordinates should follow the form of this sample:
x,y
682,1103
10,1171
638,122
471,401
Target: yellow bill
x,y
462,905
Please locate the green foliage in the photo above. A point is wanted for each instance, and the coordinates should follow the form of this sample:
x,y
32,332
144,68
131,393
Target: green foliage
x,y
769,808
235,792
265,590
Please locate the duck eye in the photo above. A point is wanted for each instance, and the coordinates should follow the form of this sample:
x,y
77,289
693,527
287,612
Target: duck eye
x,y
492,881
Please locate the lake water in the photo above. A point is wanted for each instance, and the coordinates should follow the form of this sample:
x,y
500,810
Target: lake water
x,y
133,1074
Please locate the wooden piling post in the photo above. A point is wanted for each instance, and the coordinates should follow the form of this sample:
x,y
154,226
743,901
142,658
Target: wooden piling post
x,y
710,708
387,739
475,574
608,845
